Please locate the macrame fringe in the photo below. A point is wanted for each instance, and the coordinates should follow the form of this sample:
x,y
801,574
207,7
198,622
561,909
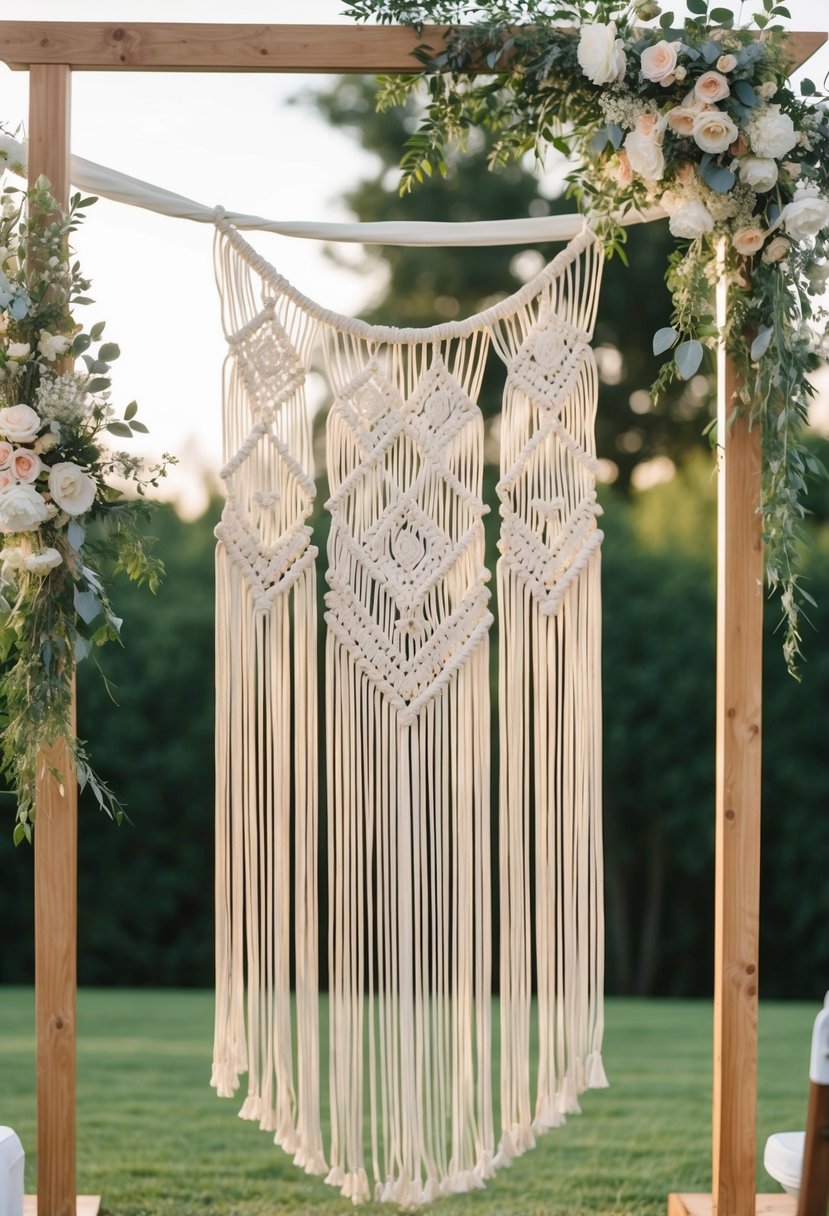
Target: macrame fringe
x,y
407,839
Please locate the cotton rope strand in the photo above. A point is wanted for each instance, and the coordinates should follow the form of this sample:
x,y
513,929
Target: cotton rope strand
x,y
411,1095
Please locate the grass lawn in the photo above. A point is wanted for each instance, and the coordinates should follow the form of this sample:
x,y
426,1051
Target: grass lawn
x,y
154,1140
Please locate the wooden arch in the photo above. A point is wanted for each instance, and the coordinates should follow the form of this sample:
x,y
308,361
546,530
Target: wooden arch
x,y
51,51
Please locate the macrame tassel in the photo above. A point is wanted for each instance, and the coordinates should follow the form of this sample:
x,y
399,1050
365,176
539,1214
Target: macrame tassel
x,y
550,724
408,758
266,740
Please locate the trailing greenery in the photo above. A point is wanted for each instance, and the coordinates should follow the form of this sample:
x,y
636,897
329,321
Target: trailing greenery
x,y
153,1140
697,119
62,507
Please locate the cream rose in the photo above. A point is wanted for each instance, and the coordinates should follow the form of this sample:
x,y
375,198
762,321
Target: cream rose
x,y
22,509
805,217
600,54
25,465
776,250
43,561
19,350
658,61
711,87
713,131
766,90
19,423
681,120
52,346
647,160
71,488
772,133
758,172
690,220
726,63
749,240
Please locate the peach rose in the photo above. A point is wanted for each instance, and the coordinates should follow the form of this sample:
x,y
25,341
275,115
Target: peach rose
x,y
658,62
621,171
6,480
726,63
740,145
711,87
776,250
748,241
685,174
681,120
6,453
25,465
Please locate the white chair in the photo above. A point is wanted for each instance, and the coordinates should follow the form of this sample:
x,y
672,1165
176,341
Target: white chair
x,y
11,1173
799,1161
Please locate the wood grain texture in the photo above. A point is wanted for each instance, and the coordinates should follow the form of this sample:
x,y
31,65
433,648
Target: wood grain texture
x,y
814,1181
739,720
56,801
702,1205
182,47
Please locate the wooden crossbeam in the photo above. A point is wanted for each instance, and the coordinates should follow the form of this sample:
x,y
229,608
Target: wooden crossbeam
x,y
100,46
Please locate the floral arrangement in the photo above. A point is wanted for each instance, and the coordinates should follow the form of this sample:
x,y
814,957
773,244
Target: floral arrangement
x,y
696,118
61,511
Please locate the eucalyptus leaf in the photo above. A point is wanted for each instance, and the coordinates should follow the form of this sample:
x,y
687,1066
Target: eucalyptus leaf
x,y
87,605
75,534
745,92
82,649
762,342
130,411
718,178
688,358
664,339
99,384
119,428
139,426
616,134
109,352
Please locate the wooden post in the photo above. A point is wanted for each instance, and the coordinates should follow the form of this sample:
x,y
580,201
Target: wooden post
x,y
739,702
56,824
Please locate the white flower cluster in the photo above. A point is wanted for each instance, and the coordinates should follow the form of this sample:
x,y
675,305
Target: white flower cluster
x,y
715,164
62,399
24,506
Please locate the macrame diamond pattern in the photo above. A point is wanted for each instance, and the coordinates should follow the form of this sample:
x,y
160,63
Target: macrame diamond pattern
x,y
407,552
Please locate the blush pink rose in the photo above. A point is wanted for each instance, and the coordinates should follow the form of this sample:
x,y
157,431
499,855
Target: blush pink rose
x,y
25,465
6,453
6,480
711,87
748,241
658,61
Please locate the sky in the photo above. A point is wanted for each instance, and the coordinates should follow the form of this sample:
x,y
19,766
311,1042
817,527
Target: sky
x,y
223,139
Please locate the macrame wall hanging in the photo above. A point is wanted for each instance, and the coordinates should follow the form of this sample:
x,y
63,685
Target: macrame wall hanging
x,y
414,1106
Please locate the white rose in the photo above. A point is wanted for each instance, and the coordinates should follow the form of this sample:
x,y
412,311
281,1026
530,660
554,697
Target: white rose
x,y
52,346
690,220
645,154
71,488
766,90
772,133
758,172
601,55
19,350
22,509
805,217
43,562
19,423
713,131
659,60
13,153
